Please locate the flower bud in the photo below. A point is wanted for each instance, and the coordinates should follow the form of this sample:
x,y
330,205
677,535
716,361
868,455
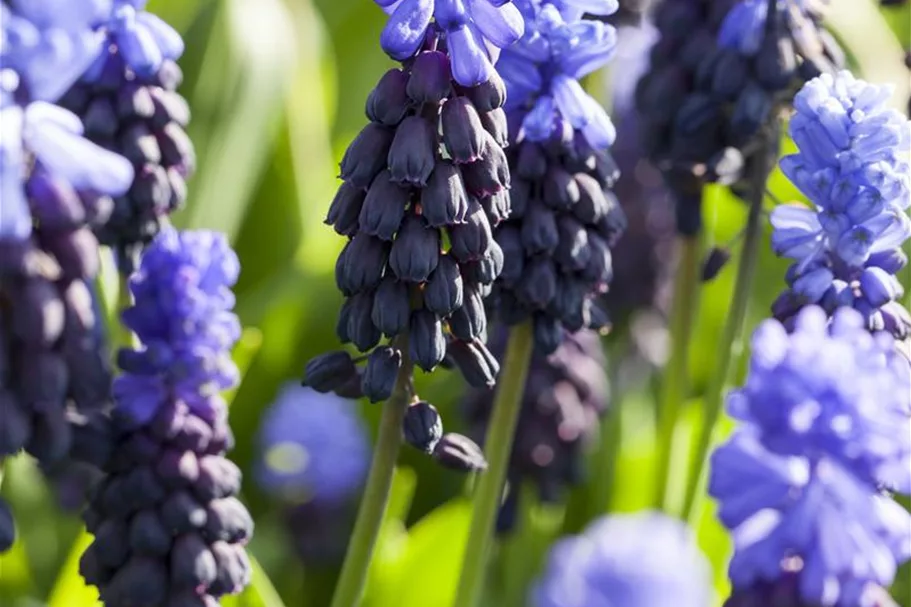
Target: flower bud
x,y
485,270
547,333
511,243
327,371
494,122
752,109
181,513
430,80
141,581
730,75
427,345
412,153
879,287
366,156
539,230
489,95
531,164
15,431
472,239
714,262
459,452
463,133
469,322
360,329
572,252
475,362
422,426
561,191
538,284
443,291
361,264
497,207
228,521
444,200
345,210
384,207
148,535
192,563
391,306
416,251
380,373
490,173
388,102
232,568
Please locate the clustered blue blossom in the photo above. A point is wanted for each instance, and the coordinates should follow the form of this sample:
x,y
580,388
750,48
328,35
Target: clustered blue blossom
x,y
475,31
826,428
543,69
182,315
44,48
313,447
853,165
631,560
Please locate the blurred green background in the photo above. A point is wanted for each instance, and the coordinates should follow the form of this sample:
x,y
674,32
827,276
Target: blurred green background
x,y
277,89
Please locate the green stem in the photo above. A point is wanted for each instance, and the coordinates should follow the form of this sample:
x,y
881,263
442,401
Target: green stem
x,y
676,379
353,578
731,335
497,447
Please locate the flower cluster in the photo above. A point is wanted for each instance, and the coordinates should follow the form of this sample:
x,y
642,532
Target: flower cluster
x,y
556,243
565,395
429,169
633,560
475,31
128,102
853,165
826,429
717,72
55,186
168,526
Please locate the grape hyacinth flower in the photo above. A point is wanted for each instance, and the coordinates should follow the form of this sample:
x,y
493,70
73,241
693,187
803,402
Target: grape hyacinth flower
x,y
629,560
129,103
313,447
853,165
54,186
556,242
826,430
168,526
428,170
717,73
314,455
565,395
475,31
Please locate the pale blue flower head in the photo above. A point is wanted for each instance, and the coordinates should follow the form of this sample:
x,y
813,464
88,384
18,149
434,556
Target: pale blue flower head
x,y
313,447
475,31
630,560
809,516
542,73
744,26
143,40
833,390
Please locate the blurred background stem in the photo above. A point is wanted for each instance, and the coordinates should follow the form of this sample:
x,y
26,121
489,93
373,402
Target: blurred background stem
x,y
676,379
497,449
731,335
351,582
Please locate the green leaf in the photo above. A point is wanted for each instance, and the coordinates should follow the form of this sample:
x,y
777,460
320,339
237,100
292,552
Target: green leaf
x,y
70,590
244,352
260,592
427,573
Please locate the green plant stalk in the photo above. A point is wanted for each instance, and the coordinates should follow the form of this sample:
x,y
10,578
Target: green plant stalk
x,y
731,334
497,447
353,578
676,379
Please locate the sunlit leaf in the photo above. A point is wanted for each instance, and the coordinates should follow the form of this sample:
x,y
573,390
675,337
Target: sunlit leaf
x,y
70,590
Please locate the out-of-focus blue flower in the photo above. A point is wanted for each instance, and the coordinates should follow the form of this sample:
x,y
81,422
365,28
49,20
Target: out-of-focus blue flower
x,y
52,137
831,390
313,447
143,40
810,516
543,69
475,31
853,164
182,316
637,560
47,45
